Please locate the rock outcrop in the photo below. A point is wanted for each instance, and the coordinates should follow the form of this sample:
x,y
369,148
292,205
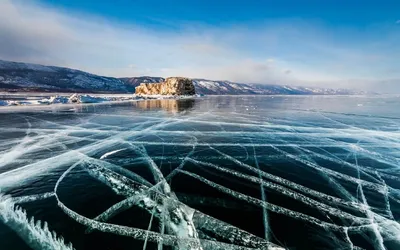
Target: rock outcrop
x,y
171,86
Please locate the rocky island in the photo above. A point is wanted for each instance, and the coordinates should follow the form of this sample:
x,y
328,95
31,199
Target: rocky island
x,y
171,86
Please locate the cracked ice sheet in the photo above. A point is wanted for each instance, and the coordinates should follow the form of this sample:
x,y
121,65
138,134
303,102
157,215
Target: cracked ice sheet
x,y
206,152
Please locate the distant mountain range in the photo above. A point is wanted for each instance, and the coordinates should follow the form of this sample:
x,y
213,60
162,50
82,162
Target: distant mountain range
x,y
15,76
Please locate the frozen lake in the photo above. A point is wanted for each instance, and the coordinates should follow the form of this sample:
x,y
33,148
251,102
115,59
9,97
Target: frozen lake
x,y
217,172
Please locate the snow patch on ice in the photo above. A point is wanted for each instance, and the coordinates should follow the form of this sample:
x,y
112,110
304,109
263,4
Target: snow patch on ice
x,y
111,153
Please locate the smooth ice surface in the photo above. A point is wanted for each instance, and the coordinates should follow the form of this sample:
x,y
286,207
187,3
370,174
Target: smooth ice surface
x,y
221,172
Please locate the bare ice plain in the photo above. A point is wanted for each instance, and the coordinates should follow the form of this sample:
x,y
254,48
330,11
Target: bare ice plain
x,y
216,172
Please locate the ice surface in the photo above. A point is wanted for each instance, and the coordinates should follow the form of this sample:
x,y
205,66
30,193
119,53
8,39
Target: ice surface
x,y
344,176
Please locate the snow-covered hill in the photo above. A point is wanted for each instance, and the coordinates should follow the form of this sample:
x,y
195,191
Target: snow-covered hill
x,y
34,77
136,81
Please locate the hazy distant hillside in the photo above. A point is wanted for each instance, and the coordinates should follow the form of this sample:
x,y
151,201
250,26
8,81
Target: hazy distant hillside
x,y
136,81
33,77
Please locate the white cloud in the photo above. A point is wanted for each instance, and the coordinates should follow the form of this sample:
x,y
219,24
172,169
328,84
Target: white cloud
x,y
276,52
241,71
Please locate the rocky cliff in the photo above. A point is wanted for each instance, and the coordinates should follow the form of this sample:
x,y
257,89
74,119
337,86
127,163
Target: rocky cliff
x,y
171,86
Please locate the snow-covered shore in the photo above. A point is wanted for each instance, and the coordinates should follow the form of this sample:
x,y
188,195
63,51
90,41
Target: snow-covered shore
x,y
81,99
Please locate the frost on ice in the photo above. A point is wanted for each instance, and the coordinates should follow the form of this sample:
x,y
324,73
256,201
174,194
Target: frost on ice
x,y
35,233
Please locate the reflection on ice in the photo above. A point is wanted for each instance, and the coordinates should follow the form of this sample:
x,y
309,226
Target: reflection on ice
x,y
170,105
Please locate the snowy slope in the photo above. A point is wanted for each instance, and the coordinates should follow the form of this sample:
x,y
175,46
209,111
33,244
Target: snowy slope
x,y
25,76
232,88
136,81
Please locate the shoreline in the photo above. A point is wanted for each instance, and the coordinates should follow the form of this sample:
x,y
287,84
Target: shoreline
x,y
94,99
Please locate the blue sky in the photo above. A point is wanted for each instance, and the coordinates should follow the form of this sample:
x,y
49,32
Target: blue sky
x,y
164,13
333,43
